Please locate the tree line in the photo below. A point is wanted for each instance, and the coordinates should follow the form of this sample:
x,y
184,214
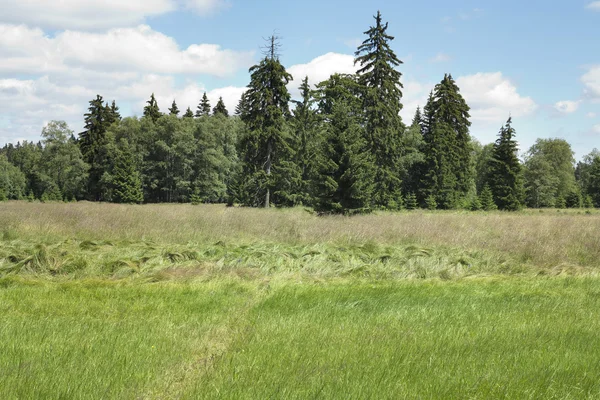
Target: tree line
x,y
340,148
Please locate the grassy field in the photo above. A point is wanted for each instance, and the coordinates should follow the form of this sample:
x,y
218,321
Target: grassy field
x,y
176,301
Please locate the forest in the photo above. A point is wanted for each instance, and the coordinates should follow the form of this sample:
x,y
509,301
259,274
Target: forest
x,y
341,147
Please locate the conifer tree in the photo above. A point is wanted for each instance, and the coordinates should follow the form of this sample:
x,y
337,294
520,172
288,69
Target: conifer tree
x,y
92,143
113,114
381,101
152,110
242,107
486,198
263,146
174,110
411,202
188,113
220,108
346,171
505,175
203,107
305,140
447,146
125,178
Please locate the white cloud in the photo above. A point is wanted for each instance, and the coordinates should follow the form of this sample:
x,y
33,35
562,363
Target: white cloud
x,y
138,49
81,14
566,106
492,97
594,5
322,67
97,15
591,115
591,81
204,7
441,58
596,128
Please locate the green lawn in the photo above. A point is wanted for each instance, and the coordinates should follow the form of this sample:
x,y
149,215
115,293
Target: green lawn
x,y
341,338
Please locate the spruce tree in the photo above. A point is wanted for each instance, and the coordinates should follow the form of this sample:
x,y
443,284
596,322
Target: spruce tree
x,y
411,202
92,142
381,101
125,178
188,113
220,108
263,146
346,170
151,110
203,109
505,175
113,114
305,140
447,148
174,110
241,109
486,198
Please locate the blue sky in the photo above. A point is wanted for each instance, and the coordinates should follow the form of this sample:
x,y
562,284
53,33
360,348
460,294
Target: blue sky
x,y
539,61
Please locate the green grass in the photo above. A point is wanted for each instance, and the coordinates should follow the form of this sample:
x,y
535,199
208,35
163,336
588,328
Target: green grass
x,y
483,338
160,302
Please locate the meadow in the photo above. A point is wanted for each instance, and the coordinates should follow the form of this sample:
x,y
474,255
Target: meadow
x,y
181,301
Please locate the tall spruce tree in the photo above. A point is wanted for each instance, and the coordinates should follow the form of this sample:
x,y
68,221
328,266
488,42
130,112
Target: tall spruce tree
x,y
345,166
505,176
305,140
264,146
220,108
125,178
152,110
92,142
188,113
382,104
203,109
174,110
447,169
241,109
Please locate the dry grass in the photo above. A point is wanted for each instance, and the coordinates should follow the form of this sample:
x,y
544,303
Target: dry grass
x,y
548,239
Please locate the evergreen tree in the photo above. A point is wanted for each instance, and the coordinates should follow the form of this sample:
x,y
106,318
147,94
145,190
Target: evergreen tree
x,y
112,112
174,110
12,180
92,143
505,178
188,113
486,198
241,109
381,101
430,203
411,202
220,108
305,140
152,110
346,171
125,179
203,107
447,169
263,147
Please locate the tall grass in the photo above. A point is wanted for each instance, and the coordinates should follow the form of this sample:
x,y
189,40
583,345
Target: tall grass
x,y
550,239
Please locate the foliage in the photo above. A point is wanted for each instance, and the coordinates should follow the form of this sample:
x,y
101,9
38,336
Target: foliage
x,y
504,179
380,95
486,199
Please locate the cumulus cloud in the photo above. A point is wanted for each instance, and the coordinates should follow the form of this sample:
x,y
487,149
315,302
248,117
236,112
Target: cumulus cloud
x,y
28,50
594,5
97,15
566,106
492,97
591,82
322,67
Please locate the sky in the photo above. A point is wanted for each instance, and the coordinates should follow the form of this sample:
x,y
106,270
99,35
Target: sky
x,y
538,61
